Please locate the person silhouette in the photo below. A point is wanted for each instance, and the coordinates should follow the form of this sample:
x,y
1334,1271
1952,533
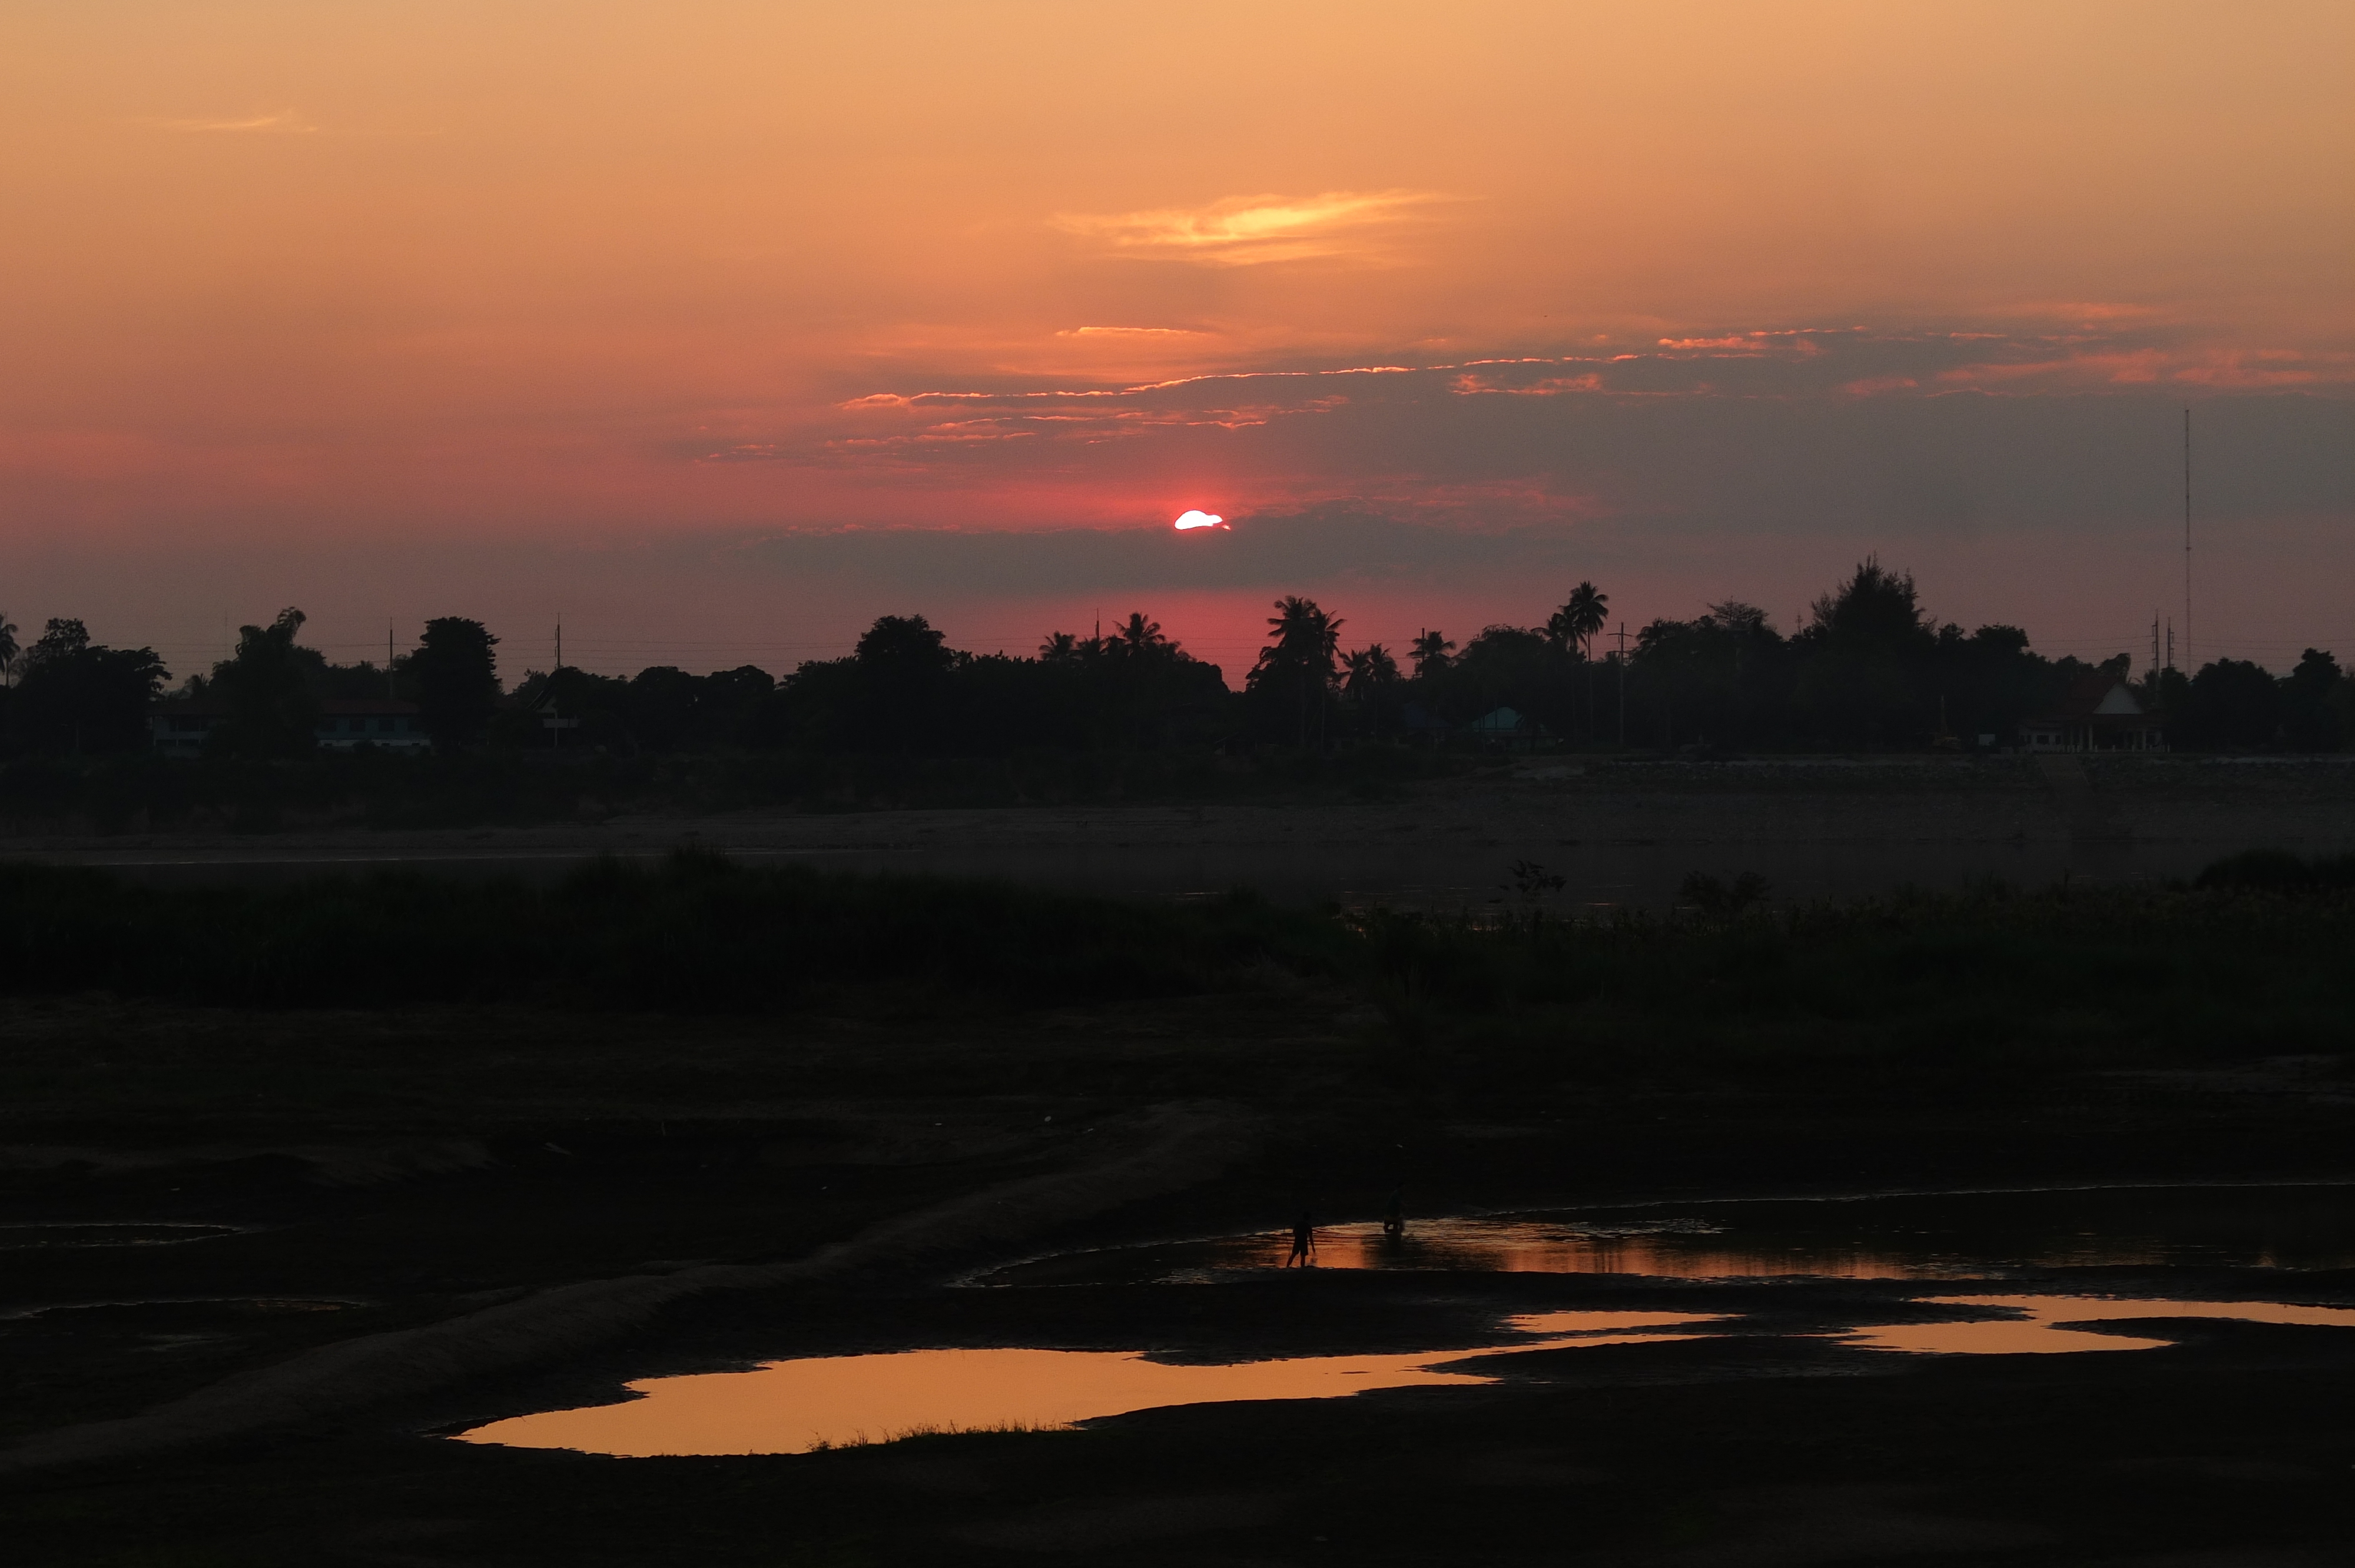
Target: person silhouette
x,y
1304,1242
1394,1217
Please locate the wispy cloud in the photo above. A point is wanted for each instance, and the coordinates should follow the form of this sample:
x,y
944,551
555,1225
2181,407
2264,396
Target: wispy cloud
x,y
1247,231
1778,365
286,122
1473,385
1120,334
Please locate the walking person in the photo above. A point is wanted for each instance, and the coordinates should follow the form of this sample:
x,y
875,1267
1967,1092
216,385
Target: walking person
x,y
1304,1242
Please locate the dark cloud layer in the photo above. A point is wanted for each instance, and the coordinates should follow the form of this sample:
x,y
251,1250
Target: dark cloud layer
x,y
1531,486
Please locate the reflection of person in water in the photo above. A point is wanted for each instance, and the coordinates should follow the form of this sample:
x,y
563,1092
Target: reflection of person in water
x,y
1304,1242
1394,1217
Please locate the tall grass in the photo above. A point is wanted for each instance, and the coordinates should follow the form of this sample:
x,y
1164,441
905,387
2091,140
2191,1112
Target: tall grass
x,y
693,934
2255,962
1990,975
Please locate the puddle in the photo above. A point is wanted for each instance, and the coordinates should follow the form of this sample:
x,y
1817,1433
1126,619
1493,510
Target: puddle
x,y
1961,1236
18,1237
795,1406
1995,1238
820,1402
2040,1326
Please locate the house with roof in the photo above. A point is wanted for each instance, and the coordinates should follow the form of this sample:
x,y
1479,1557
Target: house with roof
x,y
2099,712
1509,729
181,729
348,722
1420,722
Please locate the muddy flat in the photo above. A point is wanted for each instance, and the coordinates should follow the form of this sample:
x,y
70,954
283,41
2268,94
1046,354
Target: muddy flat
x,y
2012,1230
1619,833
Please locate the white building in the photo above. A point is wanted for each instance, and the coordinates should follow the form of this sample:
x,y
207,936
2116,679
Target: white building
x,y
2100,712
180,729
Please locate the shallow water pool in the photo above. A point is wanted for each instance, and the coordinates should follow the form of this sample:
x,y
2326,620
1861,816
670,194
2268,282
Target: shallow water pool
x,y
795,1406
1941,1235
2000,1238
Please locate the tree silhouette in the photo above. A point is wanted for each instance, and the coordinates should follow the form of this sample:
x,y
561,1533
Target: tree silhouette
x,y
902,664
1370,683
1139,637
77,695
1429,650
1867,667
1578,620
1875,606
1368,672
455,675
272,711
1298,661
2309,716
2235,705
7,650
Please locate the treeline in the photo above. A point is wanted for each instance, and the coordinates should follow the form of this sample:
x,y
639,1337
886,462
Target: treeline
x,y
1871,669
66,695
1971,990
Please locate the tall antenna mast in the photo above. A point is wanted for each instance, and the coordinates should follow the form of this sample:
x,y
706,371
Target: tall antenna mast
x,y
560,642
2187,538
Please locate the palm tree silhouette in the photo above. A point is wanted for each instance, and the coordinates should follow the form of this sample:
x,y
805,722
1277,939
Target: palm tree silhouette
x,y
1369,669
1430,652
1577,621
1299,653
1302,630
1371,675
1138,637
8,649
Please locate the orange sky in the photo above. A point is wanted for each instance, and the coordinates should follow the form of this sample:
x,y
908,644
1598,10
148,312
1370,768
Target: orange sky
x,y
511,308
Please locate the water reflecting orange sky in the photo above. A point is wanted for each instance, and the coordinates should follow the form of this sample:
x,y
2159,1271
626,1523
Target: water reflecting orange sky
x,y
791,1407
797,1406
1951,1235
2030,1325
1521,1247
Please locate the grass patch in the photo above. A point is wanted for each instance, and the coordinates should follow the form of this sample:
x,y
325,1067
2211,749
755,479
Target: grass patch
x,y
695,934
1968,990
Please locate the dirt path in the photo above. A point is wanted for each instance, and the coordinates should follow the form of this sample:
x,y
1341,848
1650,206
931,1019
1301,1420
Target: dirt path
x,y
1169,1148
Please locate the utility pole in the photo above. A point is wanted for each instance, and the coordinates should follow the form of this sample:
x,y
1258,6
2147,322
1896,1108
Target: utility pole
x,y
1622,685
2187,537
560,642
389,694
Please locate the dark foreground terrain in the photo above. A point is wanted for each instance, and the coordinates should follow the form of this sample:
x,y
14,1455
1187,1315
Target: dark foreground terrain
x,y
466,1153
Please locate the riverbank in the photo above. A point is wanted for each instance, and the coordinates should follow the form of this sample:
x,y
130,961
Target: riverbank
x,y
192,1195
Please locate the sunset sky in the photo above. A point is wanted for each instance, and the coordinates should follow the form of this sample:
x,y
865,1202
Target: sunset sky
x,y
718,329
